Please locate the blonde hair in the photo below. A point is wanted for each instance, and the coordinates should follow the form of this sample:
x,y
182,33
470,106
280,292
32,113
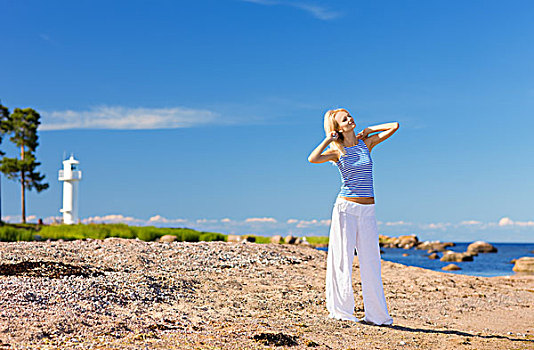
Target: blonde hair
x,y
331,124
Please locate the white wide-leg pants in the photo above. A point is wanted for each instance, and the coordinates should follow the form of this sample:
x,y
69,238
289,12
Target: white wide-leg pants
x,y
354,226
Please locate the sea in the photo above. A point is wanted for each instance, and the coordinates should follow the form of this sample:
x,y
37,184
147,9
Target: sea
x,y
485,264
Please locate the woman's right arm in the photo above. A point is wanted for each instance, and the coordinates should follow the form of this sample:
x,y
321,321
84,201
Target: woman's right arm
x,y
317,155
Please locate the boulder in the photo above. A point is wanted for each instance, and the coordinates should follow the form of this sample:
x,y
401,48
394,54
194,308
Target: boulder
x,y
276,239
524,265
434,245
481,247
407,242
451,267
289,239
456,257
249,238
234,238
405,254
382,239
433,256
168,238
304,241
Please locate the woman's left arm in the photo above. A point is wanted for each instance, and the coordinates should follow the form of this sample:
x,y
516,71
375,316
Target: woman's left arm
x,y
384,131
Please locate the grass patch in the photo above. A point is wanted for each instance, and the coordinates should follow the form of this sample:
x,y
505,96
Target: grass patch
x,y
17,232
317,239
14,234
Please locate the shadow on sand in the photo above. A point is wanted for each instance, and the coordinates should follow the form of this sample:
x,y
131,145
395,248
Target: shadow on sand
x,y
454,332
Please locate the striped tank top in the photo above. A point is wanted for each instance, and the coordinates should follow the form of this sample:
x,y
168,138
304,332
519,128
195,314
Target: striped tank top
x,y
356,169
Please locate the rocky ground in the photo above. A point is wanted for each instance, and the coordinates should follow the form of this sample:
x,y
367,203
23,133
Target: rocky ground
x,y
129,294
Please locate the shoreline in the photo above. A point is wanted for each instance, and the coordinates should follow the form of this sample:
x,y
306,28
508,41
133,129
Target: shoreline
x,y
242,296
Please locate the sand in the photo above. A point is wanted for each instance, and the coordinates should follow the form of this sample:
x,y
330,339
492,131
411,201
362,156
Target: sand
x,y
129,294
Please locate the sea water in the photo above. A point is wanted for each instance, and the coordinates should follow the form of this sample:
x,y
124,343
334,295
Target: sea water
x,y
485,264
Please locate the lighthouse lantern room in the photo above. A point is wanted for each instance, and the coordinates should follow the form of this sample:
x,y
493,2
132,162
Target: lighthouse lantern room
x,y
70,176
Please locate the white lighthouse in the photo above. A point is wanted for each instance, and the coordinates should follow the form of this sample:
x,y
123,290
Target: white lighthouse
x,y
70,177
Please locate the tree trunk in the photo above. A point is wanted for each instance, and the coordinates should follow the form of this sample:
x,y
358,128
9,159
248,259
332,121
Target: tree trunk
x,y
23,201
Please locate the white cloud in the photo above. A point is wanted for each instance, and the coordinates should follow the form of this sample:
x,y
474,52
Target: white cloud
x,y
261,220
508,222
206,221
314,222
113,218
505,222
226,220
315,10
470,223
161,219
436,226
397,223
292,221
124,118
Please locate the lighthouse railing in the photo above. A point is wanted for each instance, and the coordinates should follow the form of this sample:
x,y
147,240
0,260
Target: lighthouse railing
x,y
74,175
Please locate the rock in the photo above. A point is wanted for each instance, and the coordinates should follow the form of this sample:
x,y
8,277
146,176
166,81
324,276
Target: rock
x,y
37,238
298,240
248,238
305,241
290,239
276,239
434,245
481,247
382,239
524,265
456,257
407,242
234,238
167,238
451,267
513,261
405,254
433,256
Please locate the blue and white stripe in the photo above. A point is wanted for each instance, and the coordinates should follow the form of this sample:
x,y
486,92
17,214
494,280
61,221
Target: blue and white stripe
x,y
356,169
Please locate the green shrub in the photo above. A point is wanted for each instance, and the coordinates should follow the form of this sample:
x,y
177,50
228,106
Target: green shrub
x,y
211,236
121,230
12,234
78,231
146,233
189,235
317,239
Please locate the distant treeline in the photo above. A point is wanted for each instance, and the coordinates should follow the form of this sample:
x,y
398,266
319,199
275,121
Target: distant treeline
x,y
13,233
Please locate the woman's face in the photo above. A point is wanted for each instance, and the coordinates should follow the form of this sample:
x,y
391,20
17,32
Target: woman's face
x,y
345,121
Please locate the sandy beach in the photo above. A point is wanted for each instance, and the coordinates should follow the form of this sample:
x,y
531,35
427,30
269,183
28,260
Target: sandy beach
x,y
130,294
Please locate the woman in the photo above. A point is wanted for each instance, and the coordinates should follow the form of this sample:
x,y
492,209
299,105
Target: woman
x,y
353,218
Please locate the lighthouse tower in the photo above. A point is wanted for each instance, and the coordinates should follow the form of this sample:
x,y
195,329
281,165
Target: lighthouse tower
x,y
70,177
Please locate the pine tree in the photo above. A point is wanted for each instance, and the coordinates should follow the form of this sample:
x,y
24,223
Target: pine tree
x,y
4,116
22,125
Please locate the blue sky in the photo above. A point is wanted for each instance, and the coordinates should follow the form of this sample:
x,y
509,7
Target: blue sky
x,y
202,113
